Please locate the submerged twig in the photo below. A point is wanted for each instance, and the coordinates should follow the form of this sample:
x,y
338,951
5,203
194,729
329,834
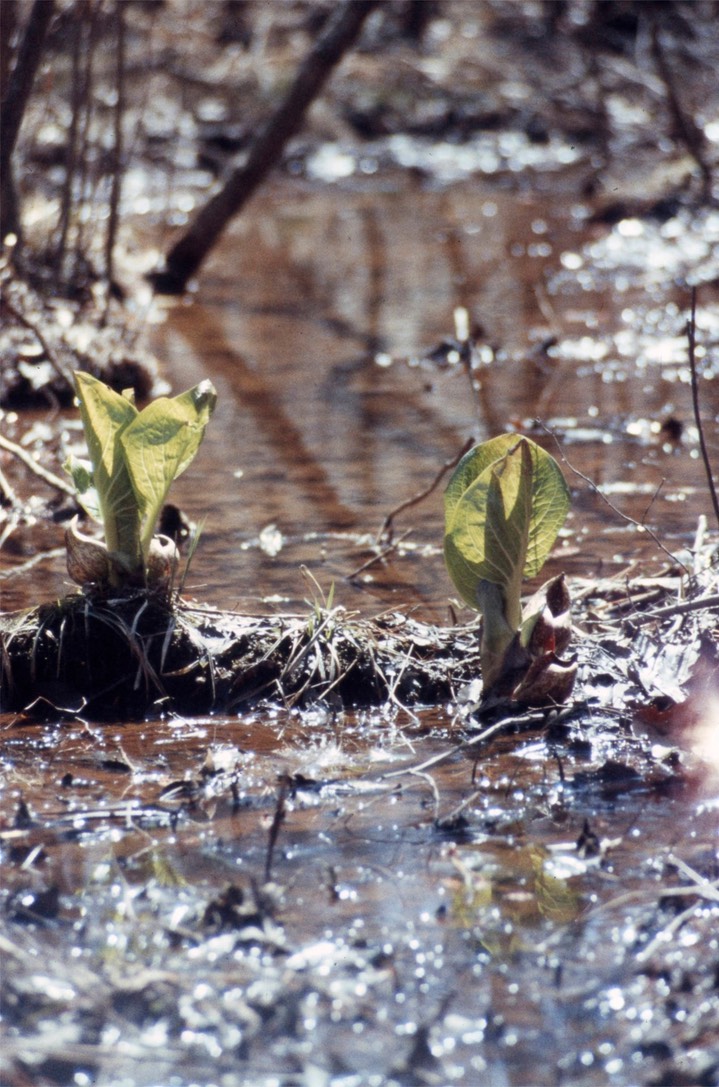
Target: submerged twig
x,y
707,890
277,820
691,337
468,745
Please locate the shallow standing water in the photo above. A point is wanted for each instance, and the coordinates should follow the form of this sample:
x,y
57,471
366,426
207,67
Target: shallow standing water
x,y
315,320
432,927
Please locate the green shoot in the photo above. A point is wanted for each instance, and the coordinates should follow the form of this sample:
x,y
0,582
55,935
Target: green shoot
x,y
134,458
504,505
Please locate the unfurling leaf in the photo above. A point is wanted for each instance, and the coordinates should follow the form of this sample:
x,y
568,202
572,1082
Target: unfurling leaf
x,y
159,445
105,415
135,456
504,505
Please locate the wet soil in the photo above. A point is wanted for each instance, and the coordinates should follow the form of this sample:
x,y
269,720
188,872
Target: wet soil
x,y
327,895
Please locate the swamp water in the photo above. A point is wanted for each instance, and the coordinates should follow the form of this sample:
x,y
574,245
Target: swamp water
x,y
268,899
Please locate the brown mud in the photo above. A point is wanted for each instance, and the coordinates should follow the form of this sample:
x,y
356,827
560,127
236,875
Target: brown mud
x,y
138,655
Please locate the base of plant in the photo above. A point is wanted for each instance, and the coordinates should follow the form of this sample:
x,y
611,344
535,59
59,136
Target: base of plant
x,y
141,654
144,654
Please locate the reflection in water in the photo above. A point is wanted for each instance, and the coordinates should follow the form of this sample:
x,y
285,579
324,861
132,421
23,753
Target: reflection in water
x,y
502,935
310,292
313,436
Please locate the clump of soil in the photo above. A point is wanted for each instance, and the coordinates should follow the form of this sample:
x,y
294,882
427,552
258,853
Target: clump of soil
x,y
139,653
142,652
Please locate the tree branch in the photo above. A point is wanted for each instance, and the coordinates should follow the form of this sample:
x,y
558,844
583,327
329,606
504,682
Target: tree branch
x,y
188,253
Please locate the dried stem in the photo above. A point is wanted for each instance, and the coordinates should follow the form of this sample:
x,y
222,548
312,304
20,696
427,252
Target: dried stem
x,y
691,337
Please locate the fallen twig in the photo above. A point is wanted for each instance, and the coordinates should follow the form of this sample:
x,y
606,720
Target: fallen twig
x,y
385,527
31,463
682,608
691,337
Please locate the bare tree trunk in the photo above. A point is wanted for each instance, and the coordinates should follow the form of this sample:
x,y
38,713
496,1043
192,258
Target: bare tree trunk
x,y
188,253
20,84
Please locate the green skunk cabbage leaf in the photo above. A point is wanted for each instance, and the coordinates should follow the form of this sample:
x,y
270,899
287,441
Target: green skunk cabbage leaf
x,y
105,416
504,505
159,444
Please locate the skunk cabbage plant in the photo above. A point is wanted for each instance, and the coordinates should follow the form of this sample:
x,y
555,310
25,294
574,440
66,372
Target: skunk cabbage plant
x,y
504,506
134,458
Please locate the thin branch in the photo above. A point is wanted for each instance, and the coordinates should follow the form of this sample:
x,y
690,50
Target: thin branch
x,y
333,42
385,528
117,152
7,494
20,85
691,336
379,557
613,508
31,463
685,128
52,358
